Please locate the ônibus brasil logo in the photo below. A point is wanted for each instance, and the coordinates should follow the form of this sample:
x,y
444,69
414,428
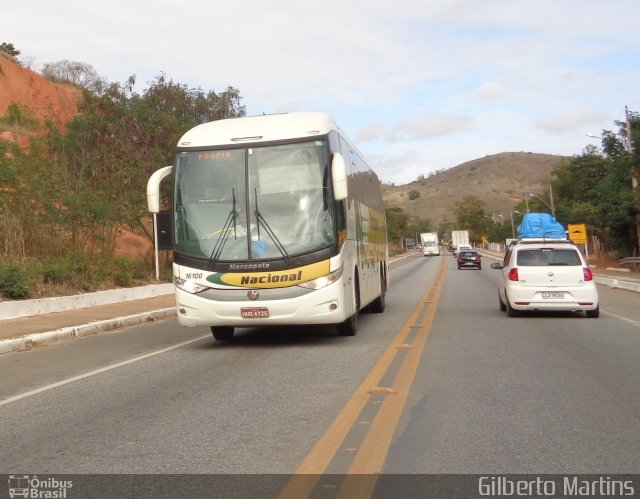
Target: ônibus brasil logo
x,y
37,488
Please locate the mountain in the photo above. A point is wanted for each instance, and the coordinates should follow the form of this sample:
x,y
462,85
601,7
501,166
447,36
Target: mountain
x,y
500,180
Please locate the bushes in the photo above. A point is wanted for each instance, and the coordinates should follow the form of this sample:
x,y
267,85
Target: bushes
x,y
66,276
15,281
55,271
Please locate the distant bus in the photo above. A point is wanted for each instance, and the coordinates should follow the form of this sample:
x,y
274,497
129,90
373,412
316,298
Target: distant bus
x,y
275,220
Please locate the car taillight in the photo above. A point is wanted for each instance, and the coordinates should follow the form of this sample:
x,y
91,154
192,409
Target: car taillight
x,y
513,274
588,275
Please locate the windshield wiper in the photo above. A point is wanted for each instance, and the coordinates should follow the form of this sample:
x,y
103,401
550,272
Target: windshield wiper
x,y
226,230
182,217
261,221
325,189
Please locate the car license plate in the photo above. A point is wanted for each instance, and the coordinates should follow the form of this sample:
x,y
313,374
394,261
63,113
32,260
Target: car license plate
x,y
552,294
254,313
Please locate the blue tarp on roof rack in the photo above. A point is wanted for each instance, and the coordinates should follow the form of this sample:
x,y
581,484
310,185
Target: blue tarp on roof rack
x,y
540,225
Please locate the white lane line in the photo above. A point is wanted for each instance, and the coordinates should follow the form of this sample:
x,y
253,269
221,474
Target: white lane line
x,y
97,371
635,323
101,370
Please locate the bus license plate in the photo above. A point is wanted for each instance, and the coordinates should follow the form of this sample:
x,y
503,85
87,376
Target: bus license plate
x,y
552,294
254,313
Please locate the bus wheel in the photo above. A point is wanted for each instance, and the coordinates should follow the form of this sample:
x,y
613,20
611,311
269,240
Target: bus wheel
x,y
350,326
222,333
377,305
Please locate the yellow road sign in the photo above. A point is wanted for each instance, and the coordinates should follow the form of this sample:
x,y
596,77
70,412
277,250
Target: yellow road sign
x,y
578,233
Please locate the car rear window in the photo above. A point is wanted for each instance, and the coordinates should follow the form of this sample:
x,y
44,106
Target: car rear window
x,y
468,253
548,256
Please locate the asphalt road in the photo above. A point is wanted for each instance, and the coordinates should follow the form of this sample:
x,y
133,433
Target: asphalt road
x,y
550,393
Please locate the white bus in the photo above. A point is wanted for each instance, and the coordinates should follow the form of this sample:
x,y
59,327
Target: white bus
x,y
275,220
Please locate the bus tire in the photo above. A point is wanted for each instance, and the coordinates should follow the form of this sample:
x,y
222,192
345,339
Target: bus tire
x,y
349,327
377,306
222,333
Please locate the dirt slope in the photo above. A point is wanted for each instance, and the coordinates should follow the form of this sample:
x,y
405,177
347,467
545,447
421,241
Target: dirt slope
x,y
49,101
57,103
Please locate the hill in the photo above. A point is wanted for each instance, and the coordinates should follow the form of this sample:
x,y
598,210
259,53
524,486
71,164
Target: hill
x,y
500,180
55,102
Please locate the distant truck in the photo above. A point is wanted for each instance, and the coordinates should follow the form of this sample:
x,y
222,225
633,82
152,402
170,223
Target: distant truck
x,y
430,246
459,237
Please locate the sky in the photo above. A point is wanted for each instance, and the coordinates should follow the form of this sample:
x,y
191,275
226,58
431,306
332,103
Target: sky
x,y
418,85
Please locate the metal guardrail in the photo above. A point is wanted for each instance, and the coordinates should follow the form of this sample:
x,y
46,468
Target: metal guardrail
x,y
632,261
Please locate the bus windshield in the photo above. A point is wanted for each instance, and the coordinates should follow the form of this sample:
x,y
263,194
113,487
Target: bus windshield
x,y
253,203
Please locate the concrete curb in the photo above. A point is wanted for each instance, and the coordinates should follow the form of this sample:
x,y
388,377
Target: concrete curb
x,y
617,283
14,309
73,332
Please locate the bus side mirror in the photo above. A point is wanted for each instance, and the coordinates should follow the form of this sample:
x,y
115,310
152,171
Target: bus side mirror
x,y
163,230
153,188
339,177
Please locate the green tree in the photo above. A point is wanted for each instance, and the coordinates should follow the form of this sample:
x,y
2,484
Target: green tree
x,y
595,188
413,194
419,225
9,49
397,224
497,232
65,196
77,73
470,215
103,160
19,116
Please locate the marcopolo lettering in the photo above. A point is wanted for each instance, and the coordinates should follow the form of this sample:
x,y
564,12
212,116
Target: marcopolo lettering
x,y
248,266
270,278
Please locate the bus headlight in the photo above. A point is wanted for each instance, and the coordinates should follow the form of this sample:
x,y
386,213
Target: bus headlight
x,y
188,286
323,281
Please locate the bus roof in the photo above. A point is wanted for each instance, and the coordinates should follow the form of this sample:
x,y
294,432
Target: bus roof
x,y
264,128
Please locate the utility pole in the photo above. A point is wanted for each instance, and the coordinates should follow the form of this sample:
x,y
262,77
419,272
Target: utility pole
x,y
634,179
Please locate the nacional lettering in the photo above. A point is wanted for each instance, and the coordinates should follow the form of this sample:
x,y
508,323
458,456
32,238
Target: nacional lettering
x,y
270,278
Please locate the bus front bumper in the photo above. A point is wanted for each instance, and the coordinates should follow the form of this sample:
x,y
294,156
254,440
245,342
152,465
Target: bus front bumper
x,y
323,306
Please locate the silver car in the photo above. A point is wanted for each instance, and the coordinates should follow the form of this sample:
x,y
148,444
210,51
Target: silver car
x,y
546,274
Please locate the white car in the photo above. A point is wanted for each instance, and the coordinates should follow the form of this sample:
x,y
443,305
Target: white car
x,y
546,274
461,247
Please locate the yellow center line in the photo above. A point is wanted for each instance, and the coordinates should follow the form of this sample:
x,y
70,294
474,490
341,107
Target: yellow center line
x,y
315,464
370,458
